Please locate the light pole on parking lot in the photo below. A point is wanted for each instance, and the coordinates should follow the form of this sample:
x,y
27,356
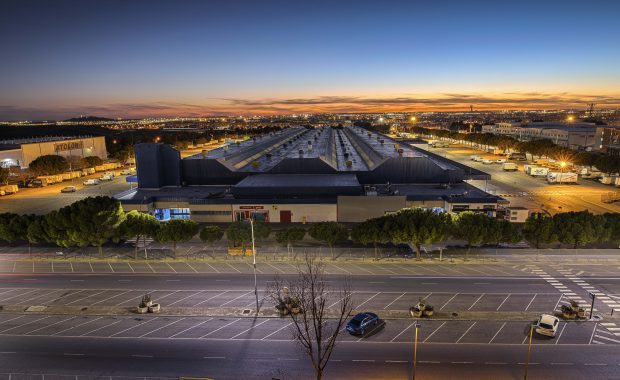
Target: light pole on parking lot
x,y
529,352
254,261
415,348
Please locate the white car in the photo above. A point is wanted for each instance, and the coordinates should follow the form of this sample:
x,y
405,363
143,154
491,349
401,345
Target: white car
x,y
547,325
500,161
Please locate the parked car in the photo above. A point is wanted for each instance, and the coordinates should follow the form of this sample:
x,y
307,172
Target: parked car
x,y
68,189
362,322
91,182
547,325
500,161
106,177
129,171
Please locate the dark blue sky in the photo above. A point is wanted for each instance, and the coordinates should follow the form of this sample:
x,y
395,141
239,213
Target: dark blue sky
x,y
132,58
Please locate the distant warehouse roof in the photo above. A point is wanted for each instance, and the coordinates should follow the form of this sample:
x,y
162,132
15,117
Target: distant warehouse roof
x,y
297,185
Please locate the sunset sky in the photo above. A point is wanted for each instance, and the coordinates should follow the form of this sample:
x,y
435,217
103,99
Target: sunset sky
x,y
61,59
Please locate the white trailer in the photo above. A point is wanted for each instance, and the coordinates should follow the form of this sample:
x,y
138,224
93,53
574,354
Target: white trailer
x,y
538,172
558,177
509,167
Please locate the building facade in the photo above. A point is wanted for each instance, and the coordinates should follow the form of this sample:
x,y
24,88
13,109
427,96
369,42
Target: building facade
x,y
22,152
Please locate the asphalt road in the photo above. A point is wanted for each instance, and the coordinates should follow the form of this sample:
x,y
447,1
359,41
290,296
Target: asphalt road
x,y
586,195
233,346
260,360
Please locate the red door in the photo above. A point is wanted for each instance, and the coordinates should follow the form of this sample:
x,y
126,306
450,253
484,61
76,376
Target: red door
x,y
285,216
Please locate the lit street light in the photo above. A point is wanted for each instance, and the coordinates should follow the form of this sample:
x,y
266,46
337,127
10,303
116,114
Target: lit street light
x,y
415,347
254,261
529,352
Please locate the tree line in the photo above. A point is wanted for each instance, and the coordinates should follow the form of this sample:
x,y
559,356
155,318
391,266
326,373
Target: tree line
x,y
95,221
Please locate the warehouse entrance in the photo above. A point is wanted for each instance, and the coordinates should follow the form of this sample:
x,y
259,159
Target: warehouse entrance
x,y
285,216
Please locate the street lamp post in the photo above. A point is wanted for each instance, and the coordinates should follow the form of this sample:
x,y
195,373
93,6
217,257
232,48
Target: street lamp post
x,y
529,352
254,263
415,348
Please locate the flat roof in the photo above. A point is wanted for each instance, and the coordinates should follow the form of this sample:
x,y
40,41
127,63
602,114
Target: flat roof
x,y
300,180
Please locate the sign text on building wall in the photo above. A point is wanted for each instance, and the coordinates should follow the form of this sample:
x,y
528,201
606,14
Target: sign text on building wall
x,y
64,146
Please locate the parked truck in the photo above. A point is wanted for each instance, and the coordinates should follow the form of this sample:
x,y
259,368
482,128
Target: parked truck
x,y
558,177
518,156
440,144
607,179
509,167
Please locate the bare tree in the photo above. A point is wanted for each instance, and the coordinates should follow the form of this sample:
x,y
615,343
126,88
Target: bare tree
x,y
305,299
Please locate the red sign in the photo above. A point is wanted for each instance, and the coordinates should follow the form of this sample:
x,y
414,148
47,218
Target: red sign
x,y
251,207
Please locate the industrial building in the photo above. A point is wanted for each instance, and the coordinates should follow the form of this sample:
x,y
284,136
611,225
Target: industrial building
x,y
580,136
301,175
21,152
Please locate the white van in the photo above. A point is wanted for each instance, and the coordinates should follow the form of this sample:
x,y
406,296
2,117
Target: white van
x,y
91,182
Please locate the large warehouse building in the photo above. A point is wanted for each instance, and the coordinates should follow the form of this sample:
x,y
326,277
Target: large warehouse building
x,y
22,152
301,175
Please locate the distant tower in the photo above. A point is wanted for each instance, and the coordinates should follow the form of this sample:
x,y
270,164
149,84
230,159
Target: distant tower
x,y
471,108
591,109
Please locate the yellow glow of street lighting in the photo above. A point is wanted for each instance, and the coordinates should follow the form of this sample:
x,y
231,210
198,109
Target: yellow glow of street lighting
x,y
571,118
563,164
413,118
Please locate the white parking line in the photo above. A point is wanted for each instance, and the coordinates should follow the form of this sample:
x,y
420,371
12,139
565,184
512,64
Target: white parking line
x,y
447,302
561,332
358,306
532,300
237,270
25,324
246,330
497,333
132,270
152,270
46,326
428,337
72,327
110,265
212,267
19,295
278,330
184,298
465,333
401,333
114,296
397,298
81,299
476,301
500,305
236,298
216,330
159,328
557,303
170,266
593,332
192,268
132,327
189,328
210,298
102,327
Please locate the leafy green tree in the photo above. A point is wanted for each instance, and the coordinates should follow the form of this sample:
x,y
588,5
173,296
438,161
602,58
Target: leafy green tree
x,y
580,228
474,228
417,227
37,231
91,161
371,231
139,225
539,229
13,227
503,231
91,221
612,222
211,234
175,231
329,232
48,165
290,236
239,234
4,175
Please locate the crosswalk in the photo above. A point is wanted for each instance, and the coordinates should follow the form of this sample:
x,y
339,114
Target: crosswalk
x,y
606,333
568,295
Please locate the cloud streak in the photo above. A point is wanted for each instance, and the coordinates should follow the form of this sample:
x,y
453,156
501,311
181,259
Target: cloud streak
x,y
318,104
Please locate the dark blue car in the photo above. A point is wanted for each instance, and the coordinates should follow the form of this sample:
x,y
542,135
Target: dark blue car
x,y
362,322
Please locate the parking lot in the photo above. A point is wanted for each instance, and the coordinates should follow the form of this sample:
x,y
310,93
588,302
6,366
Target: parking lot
x,y
278,329
263,267
442,301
